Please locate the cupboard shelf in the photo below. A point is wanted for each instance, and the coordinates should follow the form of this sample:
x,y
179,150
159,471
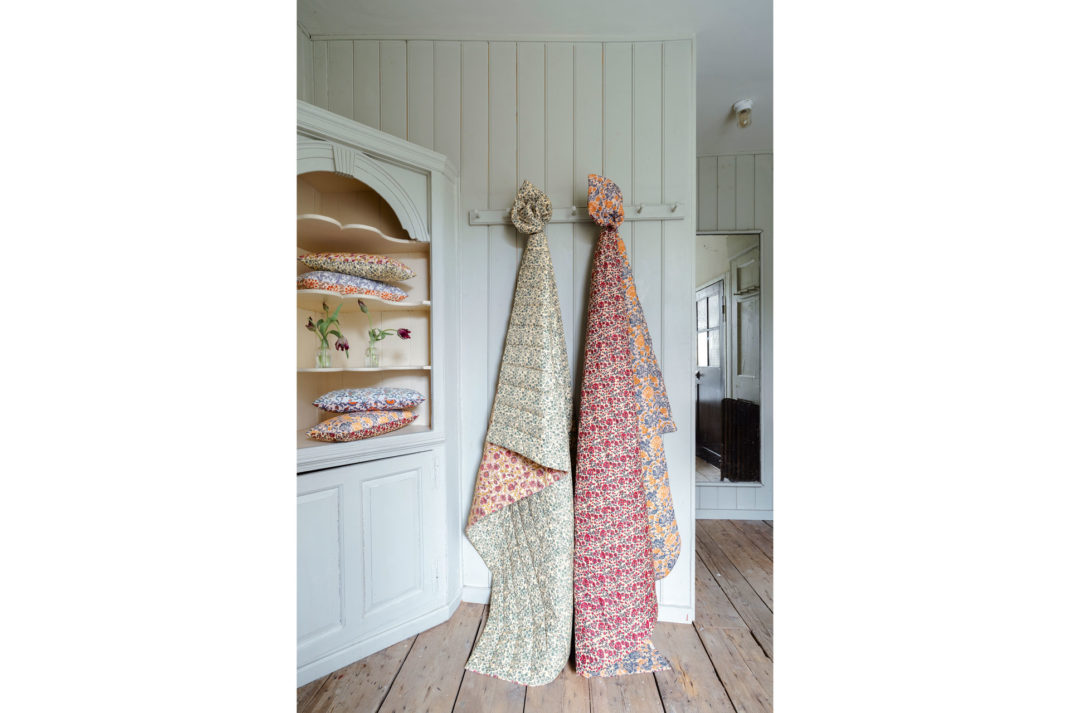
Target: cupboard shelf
x,y
332,369
313,300
322,233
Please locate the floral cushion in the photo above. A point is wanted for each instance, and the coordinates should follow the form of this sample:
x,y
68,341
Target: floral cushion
x,y
356,426
373,399
374,267
349,285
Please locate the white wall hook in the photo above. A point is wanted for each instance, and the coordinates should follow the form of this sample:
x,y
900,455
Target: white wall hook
x,y
674,207
475,214
640,208
573,211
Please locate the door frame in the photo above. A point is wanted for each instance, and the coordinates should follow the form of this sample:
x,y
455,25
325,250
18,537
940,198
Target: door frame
x,y
723,277
765,368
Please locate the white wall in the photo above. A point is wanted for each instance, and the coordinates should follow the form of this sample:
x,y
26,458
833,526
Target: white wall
x,y
550,112
713,253
736,193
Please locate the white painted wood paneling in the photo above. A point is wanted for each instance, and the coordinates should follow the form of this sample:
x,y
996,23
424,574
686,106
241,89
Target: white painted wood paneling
x,y
744,192
746,183
617,123
319,74
420,93
726,193
340,84
475,398
366,82
305,86
393,88
678,249
586,159
447,99
559,177
502,255
549,112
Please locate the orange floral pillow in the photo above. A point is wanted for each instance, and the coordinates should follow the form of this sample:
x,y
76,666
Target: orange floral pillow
x,y
357,426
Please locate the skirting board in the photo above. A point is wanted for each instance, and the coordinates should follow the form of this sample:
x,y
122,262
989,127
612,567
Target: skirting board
x,y
475,595
675,614
707,514
343,657
666,612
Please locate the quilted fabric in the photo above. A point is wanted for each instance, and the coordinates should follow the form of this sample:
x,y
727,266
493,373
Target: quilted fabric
x,y
373,267
358,426
521,521
533,404
377,398
349,285
626,534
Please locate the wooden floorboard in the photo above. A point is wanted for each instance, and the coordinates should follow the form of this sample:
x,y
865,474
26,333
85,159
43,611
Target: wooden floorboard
x,y
758,663
721,664
305,692
361,686
748,559
486,694
430,678
692,685
712,605
747,693
757,615
757,533
568,693
634,693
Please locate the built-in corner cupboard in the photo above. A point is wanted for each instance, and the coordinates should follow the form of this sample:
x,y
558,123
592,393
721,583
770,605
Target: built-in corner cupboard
x,y
378,522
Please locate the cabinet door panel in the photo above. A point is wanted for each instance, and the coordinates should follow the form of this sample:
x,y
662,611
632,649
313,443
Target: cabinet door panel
x,y
319,567
370,537
392,543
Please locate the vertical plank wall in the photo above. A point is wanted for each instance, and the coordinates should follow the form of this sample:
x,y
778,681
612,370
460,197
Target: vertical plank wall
x,y
550,112
736,193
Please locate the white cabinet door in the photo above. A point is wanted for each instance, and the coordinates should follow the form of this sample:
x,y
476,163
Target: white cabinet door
x,y
370,542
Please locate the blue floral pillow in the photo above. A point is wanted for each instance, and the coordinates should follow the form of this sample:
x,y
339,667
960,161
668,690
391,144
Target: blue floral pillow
x,y
349,285
378,398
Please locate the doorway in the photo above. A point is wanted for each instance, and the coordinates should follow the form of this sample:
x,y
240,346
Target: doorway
x,y
710,311
727,321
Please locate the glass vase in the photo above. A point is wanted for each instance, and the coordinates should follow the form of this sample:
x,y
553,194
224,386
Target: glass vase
x,y
323,357
371,355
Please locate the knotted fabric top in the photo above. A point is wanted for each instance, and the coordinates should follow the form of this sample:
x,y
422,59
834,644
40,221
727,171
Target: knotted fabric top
x,y
531,209
604,201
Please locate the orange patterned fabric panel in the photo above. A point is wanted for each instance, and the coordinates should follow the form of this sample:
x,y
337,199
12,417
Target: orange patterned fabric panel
x,y
655,418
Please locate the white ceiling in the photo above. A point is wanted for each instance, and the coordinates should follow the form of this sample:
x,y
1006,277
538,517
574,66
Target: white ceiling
x,y
734,40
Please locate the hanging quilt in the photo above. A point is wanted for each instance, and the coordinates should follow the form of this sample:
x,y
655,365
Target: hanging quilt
x,y
626,533
520,521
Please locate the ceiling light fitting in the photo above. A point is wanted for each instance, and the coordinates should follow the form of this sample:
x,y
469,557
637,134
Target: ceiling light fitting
x,y
742,109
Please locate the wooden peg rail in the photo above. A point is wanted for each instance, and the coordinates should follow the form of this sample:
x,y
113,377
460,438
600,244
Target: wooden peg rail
x,y
578,214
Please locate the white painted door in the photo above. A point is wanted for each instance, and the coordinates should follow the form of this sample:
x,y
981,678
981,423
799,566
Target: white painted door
x,y
746,326
370,543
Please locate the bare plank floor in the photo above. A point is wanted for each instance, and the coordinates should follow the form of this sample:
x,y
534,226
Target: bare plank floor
x,y
723,663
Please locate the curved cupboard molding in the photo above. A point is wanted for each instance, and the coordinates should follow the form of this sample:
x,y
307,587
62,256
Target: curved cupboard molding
x,y
311,156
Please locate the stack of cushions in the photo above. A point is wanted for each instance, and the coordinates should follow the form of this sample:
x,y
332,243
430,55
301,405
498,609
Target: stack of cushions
x,y
355,274
365,413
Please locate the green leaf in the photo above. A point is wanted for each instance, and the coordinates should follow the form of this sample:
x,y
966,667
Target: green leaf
x,y
334,316
336,333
